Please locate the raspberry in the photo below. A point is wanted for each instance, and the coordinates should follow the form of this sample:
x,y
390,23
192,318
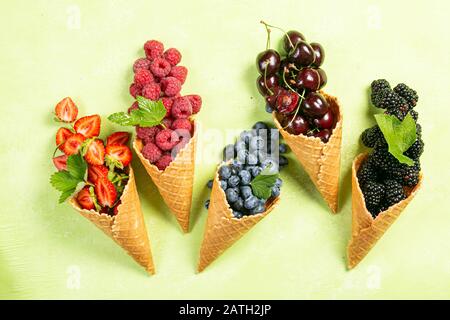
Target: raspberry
x,y
167,122
196,102
147,134
171,86
151,91
151,152
167,102
164,161
135,90
134,106
184,136
160,67
181,124
153,49
173,56
166,139
141,63
179,72
181,108
143,77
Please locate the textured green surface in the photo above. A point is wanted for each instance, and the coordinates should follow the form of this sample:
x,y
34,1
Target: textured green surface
x,y
299,250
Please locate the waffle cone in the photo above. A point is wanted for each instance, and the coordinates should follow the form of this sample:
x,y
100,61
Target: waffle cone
x,y
175,183
222,230
320,160
127,228
366,230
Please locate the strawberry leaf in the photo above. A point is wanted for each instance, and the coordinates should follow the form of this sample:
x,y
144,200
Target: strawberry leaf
x,y
77,166
70,180
262,184
149,114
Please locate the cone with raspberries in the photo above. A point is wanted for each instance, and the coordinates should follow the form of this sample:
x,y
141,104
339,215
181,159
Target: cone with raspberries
x,y
99,181
385,180
308,119
165,128
245,189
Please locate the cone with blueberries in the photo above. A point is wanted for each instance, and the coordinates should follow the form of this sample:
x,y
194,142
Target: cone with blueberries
x,y
385,180
245,189
309,120
98,180
165,128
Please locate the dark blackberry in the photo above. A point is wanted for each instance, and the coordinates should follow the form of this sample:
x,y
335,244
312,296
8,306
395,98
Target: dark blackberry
x,y
374,211
407,93
415,151
385,161
377,97
367,172
380,84
370,136
393,193
388,99
410,177
418,131
373,193
399,113
414,114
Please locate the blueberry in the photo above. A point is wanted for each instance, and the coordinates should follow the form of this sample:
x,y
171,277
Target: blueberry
x,y
240,145
246,192
260,208
251,202
237,214
232,195
255,171
233,181
275,191
269,108
270,163
242,156
248,168
283,161
282,148
223,184
245,176
252,159
278,182
257,143
224,172
260,125
228,152
209,184
246,136
207,204
236,166
238,205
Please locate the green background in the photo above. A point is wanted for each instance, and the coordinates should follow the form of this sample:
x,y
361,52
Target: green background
x,y
298,251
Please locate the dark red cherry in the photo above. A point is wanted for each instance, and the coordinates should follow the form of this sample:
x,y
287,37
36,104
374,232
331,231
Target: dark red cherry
x,y
302,55
315,105
265,85
299,125
309,79
295,37
272,99
323,78
287,101
324,135
270,60
326,121
319,53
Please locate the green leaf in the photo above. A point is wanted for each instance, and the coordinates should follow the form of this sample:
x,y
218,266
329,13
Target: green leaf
x,y
70,180
149,114
262,184
122,118
400,135
63,197
77,166
63,181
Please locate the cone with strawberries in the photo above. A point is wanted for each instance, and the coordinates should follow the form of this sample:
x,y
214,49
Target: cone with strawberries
x,y
99,181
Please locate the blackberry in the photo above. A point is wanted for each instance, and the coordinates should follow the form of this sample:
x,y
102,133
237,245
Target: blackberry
x,y
373,193
385,161
374,211
380,84
394,193
410,175
418,131
415,151
370,136
407,93
367,172
414,114
399,113
377,97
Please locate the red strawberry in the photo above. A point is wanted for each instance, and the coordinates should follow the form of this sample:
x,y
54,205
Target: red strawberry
x,y
73,144
96,172
106,192
120,137
66,110
116,208
88,126
95,153
61,136
120,153
84,199
60,162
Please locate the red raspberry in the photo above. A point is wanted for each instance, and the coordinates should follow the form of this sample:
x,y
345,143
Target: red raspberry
x,y
135,90
153,49
143,77
167,122
160,67
166,139
173,56
151,91
147,134
151,152
183,136
167,102
182,124
171,86
179,72
141,63
134,106
196,102
164,161
181,108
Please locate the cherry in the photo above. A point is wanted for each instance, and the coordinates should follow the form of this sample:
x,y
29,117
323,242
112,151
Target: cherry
x,y
302,55
298,126
319,53
326,121
287,101
268,62
309,79
264,87
324,135
315,105
295,37
272,99
323,78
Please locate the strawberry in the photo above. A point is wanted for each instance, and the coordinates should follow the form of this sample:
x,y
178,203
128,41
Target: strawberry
x,y
88,126
120,153
61,136
96,172
95,153
73,144
84,199
106,192
120,137
116,208
66,110
60,162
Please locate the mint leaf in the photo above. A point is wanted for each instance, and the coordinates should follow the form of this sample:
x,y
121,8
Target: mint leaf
x,y
149,114
262,184
77,166
400,135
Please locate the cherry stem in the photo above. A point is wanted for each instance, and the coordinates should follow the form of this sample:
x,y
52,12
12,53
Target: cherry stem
x,y
298,108
265,82
268,38
268,25
290,88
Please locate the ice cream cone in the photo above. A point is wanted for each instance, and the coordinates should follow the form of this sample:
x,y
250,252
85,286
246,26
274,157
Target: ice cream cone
x,y
320,160
127,228
366,230
175,183
222,229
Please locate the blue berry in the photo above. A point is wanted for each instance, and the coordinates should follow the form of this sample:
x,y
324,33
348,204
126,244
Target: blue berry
x,y
207,204
246,136
246,192
275,191
237,214
223,184
238,205
242,156
282,148
224,172
245,177
260,125
269,108
257,143
278,182
240,145
228,152
233,181
260,208
232,195
209,184
251,202
283,161
256,170
252,159
236,166
270,163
